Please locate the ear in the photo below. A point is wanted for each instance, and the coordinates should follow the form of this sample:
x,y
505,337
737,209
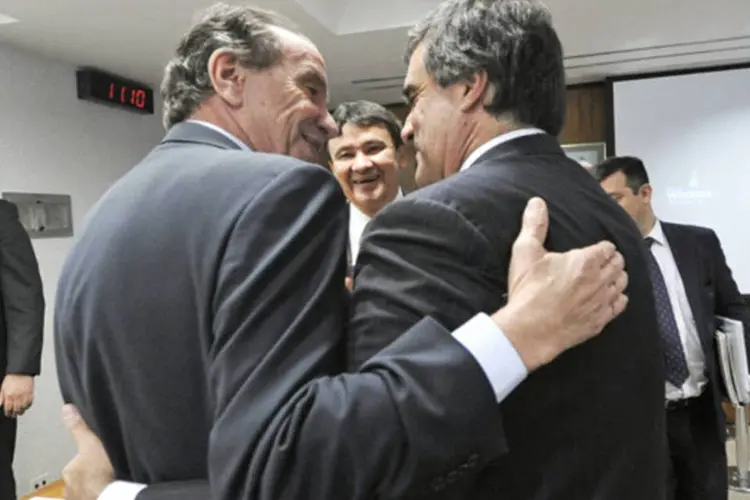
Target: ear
x,y
401,157
647,191
473,91
227,79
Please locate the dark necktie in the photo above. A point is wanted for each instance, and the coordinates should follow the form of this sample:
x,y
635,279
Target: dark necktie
x,y
674,354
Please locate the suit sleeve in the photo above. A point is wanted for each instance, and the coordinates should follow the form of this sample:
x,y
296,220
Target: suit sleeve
x,y
412,421
22,295
419,258
728,300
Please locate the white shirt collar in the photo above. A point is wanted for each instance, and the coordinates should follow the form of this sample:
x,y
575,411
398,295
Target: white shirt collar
x,y
223,132
358,220
657,234
508,136
359,215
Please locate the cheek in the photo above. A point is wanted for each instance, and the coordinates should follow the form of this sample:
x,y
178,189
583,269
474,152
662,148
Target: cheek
x,y
435,120
630,207
342,176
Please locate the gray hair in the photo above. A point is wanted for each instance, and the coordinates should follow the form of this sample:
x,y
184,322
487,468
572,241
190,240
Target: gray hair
x,y
367,114
513,41
246,31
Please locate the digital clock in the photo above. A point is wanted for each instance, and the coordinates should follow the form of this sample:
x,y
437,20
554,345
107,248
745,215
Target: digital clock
x,y
95,85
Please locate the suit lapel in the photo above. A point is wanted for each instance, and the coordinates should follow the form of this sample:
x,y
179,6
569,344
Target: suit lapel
x,y
683,250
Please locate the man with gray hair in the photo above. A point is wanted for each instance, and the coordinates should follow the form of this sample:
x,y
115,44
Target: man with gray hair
x,y
200,314
486,89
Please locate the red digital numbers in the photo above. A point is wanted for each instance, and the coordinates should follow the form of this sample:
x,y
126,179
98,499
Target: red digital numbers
x,y
134,97
138,98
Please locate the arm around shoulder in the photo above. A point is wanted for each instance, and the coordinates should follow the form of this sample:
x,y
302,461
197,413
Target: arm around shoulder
x,y
286,425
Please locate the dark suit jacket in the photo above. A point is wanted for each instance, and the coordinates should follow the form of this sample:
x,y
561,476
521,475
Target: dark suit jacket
x,y
199,317
22,296
711,292
591,424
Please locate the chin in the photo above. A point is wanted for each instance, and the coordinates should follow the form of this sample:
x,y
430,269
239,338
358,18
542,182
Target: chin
x,y
423,177
306,152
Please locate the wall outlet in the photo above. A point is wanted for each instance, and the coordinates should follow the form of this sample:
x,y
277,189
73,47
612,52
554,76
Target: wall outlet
x,y
39,481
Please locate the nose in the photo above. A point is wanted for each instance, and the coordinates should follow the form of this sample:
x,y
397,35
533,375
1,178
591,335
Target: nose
x,y
361,162
407,132
328,125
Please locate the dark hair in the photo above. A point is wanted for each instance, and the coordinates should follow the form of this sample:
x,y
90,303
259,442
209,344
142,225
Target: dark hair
x,y
513,41
632,168
367,114
246,31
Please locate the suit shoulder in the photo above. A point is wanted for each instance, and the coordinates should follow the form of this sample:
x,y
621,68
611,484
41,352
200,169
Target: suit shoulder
x,y
699,231
246,174
437,212
251,164
470,192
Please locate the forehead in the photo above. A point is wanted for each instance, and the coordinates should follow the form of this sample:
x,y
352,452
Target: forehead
x,y
353,135
416,73
615,182
300,50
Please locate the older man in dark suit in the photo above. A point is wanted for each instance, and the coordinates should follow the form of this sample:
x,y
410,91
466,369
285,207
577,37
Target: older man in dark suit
x,y
486,88
21,335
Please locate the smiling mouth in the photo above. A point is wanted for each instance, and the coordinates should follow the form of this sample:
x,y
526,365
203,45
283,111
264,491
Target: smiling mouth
x,y
366,180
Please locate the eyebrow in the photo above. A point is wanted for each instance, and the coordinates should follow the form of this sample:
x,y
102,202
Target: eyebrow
x,y
408,93
374,141
313,77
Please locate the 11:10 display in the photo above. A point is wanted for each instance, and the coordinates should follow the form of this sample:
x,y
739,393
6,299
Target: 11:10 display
x,y
127,95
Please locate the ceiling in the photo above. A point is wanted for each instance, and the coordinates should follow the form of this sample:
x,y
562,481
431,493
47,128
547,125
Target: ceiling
x,y
363,40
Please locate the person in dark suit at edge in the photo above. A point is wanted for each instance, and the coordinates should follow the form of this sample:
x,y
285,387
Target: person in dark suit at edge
x,y
486,89
199,322
692,285
21,335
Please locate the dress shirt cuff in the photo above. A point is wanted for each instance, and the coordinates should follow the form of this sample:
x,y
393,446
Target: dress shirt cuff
x,y
121,490
495,354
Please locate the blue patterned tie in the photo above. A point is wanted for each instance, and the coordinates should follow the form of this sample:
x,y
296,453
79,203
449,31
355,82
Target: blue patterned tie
x,y
674,355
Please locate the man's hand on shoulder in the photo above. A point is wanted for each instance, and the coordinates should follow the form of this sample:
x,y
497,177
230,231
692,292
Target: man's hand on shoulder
x,y
558,300
90,471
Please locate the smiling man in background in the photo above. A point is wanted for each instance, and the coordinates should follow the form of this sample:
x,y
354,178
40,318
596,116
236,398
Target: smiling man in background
x,y
366,158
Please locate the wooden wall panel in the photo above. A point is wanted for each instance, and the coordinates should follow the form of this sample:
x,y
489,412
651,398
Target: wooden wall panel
x,y
585,121
586,117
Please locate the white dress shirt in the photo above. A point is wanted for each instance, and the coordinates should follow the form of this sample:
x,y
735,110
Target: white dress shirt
x,y
492,350
358,220
683,316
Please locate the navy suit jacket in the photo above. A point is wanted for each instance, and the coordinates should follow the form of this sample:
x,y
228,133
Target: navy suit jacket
x,y
199,326
591,424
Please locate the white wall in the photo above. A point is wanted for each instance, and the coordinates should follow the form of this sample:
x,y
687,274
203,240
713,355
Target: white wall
x,y
692,131
51,142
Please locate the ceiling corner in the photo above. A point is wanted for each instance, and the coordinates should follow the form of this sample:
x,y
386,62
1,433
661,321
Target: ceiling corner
x,y
328,13
362,16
